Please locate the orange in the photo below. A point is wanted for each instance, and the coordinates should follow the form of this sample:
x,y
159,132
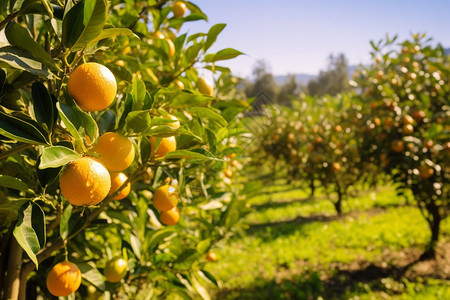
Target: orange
x,y
117,180
228,173
92,86
171,47
85,181
170,217
120,63
204,87
179,9
165,197
211,256
63,279
174,125
116,151
397,146
336,166
179,84
116,269
426,171
408,129
167,144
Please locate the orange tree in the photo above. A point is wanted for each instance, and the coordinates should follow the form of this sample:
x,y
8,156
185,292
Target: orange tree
x,y
316,141
103,114
405,96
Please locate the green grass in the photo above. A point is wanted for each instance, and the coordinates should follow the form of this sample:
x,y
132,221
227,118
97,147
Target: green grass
x,y
294,245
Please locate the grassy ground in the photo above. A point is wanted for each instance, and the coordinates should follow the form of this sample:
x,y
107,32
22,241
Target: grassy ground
x,y
297,248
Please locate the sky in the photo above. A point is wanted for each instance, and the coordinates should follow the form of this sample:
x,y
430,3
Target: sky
x,y
297,36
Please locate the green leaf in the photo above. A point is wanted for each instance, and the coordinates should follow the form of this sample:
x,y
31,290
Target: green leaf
x,y
13,183
187,99
138,91
137,122
83,23
77,122
21,130
192,52
46,176
192,17
64,223
21,59
223,54
212,35
111,33
204,112
199,288
20,37
145,148
56,156
208,276
188,154
2,80
92,275
30,229
44,106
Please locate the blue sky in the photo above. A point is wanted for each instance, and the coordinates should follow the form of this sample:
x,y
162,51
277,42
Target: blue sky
x,y
298,36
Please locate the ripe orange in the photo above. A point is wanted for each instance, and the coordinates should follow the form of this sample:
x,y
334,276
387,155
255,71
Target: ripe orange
x,y
407,119
116,269
116,151
166,145
397,146
228,173
408,129
63,279
179,9
165,197
170,217
171,47
204,87
336,166
174,125
179,84
85,181
211,256
426,171
117,180
92,86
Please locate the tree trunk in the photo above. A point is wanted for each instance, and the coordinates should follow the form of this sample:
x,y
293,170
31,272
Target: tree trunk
x,y
312,187
12,284
338,203
434,221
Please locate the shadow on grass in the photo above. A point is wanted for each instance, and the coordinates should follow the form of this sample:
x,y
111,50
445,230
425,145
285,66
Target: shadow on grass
x,y
271,230
286,202
309,286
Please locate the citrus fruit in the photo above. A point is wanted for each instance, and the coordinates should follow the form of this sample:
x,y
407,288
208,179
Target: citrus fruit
x,y
116,269
204,87
426,171
167,144
211,256
175,124
397,146
116,151
228,173
165,197
170,217
63,279
85,181
171,47
179,9
336,166
179,84
117,180
92,86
